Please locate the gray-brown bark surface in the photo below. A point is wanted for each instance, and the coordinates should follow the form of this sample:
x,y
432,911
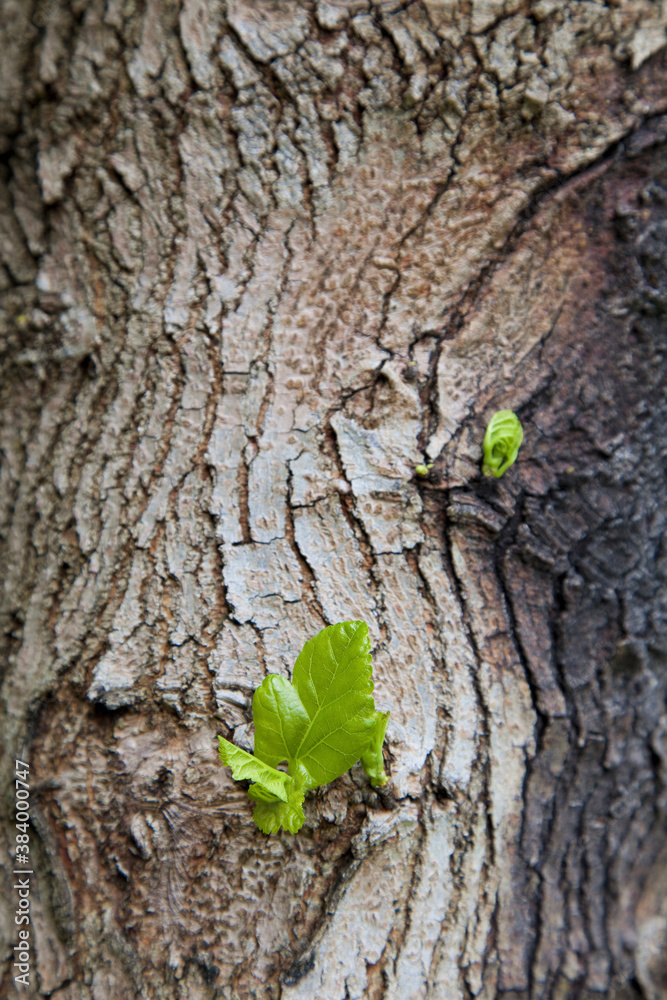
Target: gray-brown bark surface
x,y
256,261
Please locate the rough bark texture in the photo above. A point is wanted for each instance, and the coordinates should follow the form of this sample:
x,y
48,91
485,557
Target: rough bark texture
x,y
257,261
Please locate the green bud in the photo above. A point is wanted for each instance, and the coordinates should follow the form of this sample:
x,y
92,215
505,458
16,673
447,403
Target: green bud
x,y
502,441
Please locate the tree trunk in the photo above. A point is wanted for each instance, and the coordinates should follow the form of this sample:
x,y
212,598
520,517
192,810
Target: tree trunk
x,y
259,260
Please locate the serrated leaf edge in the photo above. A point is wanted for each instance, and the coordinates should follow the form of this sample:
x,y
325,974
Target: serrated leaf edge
x,y
246,766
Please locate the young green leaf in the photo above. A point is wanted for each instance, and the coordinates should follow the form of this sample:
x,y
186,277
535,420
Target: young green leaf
x,y
244,765
320,724
325,719
333,678
372,760
502,441
270,813
280,720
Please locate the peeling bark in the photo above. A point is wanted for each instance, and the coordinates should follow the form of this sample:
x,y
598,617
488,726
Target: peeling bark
x,y
256,261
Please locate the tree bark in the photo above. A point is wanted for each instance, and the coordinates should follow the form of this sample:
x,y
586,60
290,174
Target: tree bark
x,y
257,261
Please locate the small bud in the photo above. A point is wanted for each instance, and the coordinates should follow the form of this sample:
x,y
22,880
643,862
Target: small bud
x,y
423,470
502,441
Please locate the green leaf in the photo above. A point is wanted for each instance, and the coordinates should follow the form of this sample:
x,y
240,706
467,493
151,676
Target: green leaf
x,y
270,814
244,765
280,720
321,725
327,713
372,760
333,677
502,441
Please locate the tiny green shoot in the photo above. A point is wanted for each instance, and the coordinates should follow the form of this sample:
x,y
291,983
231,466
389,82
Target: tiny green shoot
x,y
319,725
502,441
423,470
